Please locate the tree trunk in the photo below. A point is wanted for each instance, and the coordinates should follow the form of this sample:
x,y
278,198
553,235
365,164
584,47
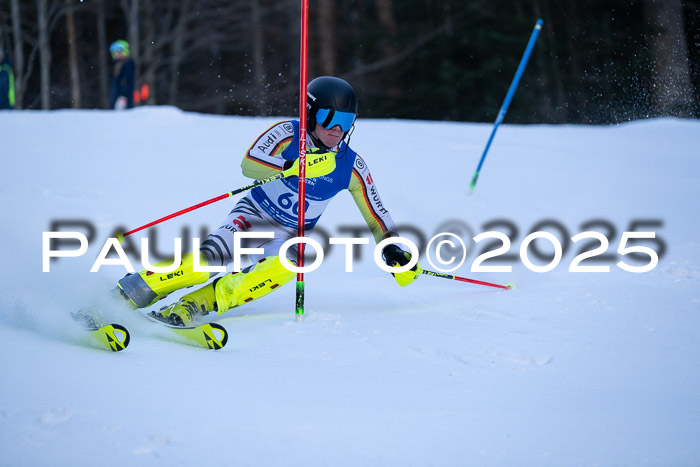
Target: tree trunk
x,y
131,10
178,51
387,24
326,39
554,101
574,70
19,54
72,56
672,91
558,92
150,58
104,65
44,53
292,51
258,54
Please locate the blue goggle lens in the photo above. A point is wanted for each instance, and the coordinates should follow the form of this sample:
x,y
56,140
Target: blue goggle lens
x,y
328,118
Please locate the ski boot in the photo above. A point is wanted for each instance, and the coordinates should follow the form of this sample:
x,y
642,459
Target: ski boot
x,y
147,287
258,280
190,306
227,292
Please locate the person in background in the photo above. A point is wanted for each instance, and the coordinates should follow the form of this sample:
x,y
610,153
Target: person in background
x,y
7,83
122,90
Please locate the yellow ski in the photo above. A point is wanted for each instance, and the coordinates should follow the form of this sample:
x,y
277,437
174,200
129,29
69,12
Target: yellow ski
x,y
210,335
114,337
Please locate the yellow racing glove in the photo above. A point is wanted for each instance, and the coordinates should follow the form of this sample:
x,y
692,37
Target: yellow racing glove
x,y
394,256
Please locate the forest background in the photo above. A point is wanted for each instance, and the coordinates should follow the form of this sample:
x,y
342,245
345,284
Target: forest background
x,y
596,61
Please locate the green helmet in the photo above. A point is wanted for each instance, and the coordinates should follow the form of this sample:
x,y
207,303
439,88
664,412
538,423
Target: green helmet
x,y
119,46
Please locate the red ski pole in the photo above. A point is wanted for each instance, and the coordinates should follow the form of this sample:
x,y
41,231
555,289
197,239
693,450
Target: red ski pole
x,y
464,279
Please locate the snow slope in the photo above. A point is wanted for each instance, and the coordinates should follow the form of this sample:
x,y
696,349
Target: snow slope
x,y
566,369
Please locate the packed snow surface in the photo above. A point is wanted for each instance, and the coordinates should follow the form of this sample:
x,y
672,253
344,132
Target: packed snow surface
x,y
568,368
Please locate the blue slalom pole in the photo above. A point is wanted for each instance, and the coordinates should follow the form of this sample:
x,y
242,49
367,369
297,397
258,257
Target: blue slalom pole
x,y
509,97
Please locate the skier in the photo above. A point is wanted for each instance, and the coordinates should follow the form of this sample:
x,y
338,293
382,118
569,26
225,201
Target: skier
x,y
122,90
332,110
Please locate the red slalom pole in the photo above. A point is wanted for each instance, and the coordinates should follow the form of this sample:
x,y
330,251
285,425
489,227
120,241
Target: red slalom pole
x,y
302,156
464,279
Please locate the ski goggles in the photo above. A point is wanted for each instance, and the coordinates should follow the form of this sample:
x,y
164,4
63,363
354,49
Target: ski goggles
x,y
329,118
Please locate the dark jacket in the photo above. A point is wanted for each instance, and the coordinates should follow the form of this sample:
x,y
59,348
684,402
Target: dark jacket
x,y
122,82
7,85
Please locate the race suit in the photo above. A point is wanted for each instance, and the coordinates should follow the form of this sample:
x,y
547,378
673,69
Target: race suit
x,y
273,207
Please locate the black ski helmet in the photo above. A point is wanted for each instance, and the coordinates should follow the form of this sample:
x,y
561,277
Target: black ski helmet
x,y
329,92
